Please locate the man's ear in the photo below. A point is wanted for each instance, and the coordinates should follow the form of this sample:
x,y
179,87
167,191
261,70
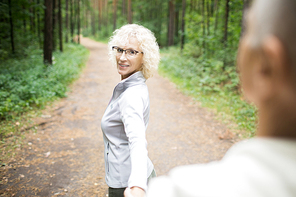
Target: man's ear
x,y
273,70
276,60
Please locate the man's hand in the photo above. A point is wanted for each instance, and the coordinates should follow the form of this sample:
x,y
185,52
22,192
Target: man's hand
x,y
134,192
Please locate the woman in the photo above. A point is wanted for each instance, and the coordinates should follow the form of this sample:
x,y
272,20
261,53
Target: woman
x,y
134,51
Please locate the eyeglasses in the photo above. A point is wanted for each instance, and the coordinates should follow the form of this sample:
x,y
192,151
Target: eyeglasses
x,y
129,52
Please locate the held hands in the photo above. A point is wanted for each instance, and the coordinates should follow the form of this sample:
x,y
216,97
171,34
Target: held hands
x,y
134,192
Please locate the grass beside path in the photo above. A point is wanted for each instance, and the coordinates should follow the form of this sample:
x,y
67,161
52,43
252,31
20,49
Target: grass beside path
x,y
27,85
215,88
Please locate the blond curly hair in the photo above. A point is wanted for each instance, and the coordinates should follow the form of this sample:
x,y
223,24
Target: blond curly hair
x,y
147,42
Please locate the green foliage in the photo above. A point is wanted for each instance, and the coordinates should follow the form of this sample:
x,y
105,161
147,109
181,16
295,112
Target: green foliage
x,y
26,83
25,26
150,14
205,68
200,72
207,81
208,32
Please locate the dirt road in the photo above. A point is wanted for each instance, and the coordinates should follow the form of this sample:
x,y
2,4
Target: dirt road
x,y
65,156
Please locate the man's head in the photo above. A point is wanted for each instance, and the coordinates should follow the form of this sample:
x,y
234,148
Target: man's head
x,y
275,17
268,44
267,60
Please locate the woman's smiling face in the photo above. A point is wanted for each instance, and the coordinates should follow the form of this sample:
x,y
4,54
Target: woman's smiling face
x,y
126,66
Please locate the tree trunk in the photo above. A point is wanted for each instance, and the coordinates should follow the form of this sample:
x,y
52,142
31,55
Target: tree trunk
x,y
159,21
176,29
225,31
83,15
32,22
171,23
226,22
211,8
11,27
100,14
38,26
47,50
130,15
60,27
93,19
114,14
203,24
53,24
95,2
24,21
183,24
72,19
168,24
217,16
106,18
67,22
123,8
88,16
34,17
78,21
208,17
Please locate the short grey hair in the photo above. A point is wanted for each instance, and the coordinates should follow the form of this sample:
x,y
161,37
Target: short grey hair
x,y
278,18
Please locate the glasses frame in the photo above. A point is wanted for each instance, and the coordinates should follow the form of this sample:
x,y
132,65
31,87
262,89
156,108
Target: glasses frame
x,y
116,47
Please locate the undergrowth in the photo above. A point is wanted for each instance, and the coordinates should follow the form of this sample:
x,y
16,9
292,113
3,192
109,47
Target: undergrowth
x,y
213,85
26,84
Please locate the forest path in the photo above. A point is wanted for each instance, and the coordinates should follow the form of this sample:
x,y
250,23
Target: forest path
x,y
65,156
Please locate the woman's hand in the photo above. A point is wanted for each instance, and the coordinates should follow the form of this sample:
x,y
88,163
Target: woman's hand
x,y
134,192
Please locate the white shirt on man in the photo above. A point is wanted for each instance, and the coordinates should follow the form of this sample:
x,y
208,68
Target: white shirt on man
x,y
253,168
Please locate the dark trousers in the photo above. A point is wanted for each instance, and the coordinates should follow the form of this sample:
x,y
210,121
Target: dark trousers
x,y
116,192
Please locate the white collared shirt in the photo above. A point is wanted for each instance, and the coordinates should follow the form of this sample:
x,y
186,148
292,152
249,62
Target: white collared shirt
x,y
124,126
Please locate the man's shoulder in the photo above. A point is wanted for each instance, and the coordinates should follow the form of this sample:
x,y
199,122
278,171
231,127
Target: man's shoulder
x,y
246,164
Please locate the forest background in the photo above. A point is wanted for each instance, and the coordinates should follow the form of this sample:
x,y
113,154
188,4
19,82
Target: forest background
x,y
40,52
